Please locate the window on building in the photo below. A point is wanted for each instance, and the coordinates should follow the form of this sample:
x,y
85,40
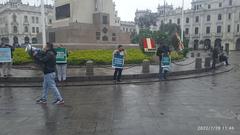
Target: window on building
x,y
25,19
219,17
230,2
208,30
14,18
209,6
220,4
113,38
33,19
195,7
37,29
37,20
50,21
229,28
25,29
197,19
187,20
196,30
238,27
105,19
15,29
170,21
229,16
178,21
187,31
98,35
208,18
161,22
33,30
219,29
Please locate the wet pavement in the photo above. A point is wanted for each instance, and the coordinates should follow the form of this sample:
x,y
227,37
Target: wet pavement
x,y
202,106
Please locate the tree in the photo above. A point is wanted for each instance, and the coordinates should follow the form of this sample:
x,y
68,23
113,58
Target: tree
x,y
147,20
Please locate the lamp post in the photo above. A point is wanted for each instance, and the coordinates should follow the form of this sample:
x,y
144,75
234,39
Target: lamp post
x,y
43,24
182,27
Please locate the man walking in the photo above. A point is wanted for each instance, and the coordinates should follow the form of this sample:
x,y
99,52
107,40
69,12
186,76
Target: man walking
x,y
48,59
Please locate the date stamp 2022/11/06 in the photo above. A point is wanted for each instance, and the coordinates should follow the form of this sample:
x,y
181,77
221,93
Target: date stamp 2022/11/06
x,y
215,128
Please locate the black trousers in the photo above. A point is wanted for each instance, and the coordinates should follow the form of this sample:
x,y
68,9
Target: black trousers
x,y
117,74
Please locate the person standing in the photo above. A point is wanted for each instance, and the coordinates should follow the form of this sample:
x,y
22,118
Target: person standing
x,y
162,50
48,59
215,53
61,61
118,62
7,66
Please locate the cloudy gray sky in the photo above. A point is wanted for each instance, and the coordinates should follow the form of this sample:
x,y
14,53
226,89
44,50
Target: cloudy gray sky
x,y
126,8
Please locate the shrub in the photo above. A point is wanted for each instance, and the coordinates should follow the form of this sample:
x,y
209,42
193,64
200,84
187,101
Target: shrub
x,y
100,57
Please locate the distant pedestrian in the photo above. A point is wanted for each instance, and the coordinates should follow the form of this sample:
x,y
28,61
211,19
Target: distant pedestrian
x,y
61,61
118,62
7,66
162,50
48,60
223,56
215,53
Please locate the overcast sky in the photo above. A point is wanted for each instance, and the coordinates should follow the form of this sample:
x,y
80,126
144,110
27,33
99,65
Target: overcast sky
x,y
127,8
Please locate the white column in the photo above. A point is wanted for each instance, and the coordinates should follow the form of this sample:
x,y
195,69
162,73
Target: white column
x,y
43,24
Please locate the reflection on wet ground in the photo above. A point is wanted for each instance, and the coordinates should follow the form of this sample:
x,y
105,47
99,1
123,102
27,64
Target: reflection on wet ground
x,y
184,107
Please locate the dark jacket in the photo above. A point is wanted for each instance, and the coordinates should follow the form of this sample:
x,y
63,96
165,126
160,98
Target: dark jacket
x,y
48,60
163,50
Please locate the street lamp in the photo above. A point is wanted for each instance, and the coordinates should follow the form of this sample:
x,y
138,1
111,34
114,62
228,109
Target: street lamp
x,y
182,20
43,24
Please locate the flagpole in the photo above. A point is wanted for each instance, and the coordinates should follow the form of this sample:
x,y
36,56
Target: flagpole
x,y
43,24
182,20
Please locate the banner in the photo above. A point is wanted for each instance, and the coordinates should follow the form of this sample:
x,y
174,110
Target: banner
x,y
118,61
149,45
5,55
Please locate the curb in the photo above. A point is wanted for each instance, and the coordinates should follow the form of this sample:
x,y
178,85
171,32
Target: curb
x,y
128,81
107,77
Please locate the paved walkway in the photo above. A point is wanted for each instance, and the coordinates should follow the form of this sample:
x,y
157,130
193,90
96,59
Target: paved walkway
x,y
188,64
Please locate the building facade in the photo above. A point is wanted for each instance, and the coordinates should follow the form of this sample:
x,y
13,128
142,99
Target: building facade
x,y
20,23
86,21
207,23
128,26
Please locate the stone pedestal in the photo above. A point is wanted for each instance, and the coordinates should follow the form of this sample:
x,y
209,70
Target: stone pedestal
x,y
146,66
89,68
198,64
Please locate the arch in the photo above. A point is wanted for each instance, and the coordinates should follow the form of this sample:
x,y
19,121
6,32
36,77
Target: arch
x,y
34,40
207,44
26,39
218,43
238,44
196,44
15,39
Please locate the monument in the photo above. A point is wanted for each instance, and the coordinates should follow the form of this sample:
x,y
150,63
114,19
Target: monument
x,y
86,22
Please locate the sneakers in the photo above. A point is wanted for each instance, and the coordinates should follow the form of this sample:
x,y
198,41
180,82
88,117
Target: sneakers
x,y
58,102
41,101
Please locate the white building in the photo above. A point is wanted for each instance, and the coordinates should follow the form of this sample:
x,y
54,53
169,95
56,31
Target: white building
x,y
207,23
128,26
20,23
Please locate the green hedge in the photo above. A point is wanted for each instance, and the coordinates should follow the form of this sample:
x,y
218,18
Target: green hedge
x,y
100,57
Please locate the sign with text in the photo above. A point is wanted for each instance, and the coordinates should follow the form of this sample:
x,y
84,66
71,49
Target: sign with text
x,y
5,55
118,61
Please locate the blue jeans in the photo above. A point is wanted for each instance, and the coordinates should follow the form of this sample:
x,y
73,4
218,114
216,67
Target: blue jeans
x,y
49,83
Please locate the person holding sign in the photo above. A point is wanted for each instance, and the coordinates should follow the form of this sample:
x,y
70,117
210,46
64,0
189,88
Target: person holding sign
x,y
6,56
118,62
61,61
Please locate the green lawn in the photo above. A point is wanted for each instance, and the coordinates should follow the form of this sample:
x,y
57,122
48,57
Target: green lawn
x,y
100,57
